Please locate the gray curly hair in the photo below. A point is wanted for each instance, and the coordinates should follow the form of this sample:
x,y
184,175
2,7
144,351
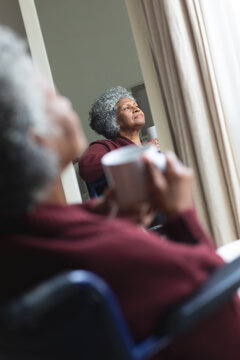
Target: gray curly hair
x,y
102,116
26,168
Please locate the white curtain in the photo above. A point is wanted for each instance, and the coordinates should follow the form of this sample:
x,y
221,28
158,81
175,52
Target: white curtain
x,y
222,26
183,37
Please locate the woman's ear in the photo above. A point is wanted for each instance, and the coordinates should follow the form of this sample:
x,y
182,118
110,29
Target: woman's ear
x,y
42,141
118,118
37,139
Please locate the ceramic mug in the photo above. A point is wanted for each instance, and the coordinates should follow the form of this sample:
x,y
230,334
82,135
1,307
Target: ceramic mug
x,y
125,172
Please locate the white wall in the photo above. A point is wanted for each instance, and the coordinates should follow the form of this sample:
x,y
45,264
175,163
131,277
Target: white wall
x,y
90,48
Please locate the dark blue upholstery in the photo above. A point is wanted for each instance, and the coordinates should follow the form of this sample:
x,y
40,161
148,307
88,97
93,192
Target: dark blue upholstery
x,y
75,316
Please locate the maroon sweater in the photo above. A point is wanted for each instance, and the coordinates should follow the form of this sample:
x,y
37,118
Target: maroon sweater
x,y
148,274
90,167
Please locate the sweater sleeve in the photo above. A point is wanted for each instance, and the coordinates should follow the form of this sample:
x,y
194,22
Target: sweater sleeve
x,y
90,167
186,228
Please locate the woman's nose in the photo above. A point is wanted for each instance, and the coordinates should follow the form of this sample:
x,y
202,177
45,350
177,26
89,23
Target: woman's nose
x,y
136,109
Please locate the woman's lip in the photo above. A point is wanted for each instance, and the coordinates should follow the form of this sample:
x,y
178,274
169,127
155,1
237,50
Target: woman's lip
x,y
138,115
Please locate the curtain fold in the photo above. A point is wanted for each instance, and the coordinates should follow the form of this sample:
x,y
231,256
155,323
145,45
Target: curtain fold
x,y
186,75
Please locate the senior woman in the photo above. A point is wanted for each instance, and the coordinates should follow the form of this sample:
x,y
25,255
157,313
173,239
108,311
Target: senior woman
x,y
117,116
41,236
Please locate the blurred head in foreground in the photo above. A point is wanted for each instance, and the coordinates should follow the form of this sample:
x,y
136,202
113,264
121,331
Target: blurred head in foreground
x,y
39,131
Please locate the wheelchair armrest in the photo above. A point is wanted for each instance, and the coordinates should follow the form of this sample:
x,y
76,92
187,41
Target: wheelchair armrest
x,y
211,295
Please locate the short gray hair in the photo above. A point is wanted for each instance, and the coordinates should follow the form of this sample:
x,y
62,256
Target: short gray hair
x,y
102,116
26,168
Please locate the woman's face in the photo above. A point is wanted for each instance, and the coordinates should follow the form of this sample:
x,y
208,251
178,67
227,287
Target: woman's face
x,y
68,138
129,116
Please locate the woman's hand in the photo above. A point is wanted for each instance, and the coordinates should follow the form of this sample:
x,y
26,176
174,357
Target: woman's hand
x,y
169,192
155,142
107,205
